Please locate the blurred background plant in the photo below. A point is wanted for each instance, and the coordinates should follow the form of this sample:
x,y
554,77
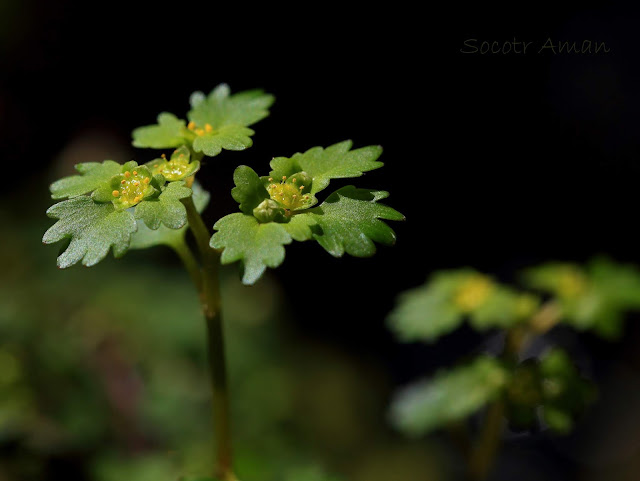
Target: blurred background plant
x,y
512,386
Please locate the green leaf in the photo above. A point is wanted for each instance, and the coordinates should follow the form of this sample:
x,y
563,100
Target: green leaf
x,y
334,162
92,175
349,221
168,132
145,237
93,229
220,109
220,120
566,393
449,396
229,137
503,308
595,297
256,245
249,191
165,209
427,312
449,297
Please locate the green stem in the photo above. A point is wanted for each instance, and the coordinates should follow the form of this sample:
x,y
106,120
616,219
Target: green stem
x,y
209,290
484,453
482,456
190,263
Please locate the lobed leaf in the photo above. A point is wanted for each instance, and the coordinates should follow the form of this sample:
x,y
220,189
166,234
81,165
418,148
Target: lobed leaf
x,y
220,109
93,229
257,246
92,175
249,191
323,164
167,133
165,209
449,396
349,221
145,237
229,137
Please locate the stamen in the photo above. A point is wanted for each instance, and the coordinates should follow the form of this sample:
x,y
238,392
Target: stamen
x,y
127,174
191,125
115,193
208,128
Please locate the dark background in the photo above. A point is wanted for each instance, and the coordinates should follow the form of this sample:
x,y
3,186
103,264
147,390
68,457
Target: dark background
x,y
498,161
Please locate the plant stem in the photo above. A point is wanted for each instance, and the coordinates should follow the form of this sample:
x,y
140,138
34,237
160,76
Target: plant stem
x,y
484,453
482,456
209,290
190,263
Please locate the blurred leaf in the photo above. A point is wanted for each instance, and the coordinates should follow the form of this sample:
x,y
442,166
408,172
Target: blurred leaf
x,y
308,473
323,164
566,394
449,396
503,308
441,305
595,297
141,468
92,175
93,229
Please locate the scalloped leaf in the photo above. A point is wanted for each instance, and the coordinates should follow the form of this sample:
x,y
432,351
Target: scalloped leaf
x,y
220,109
92,175
167,133
349,220
334,162
229,137
450,396
249,191
221,121
166,209
256,245
93,229
145,237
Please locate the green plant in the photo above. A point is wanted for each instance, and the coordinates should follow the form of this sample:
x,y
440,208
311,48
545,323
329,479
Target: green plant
x,y
109,206
527,392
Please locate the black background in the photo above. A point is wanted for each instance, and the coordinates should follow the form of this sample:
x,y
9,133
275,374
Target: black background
x,y
498,161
